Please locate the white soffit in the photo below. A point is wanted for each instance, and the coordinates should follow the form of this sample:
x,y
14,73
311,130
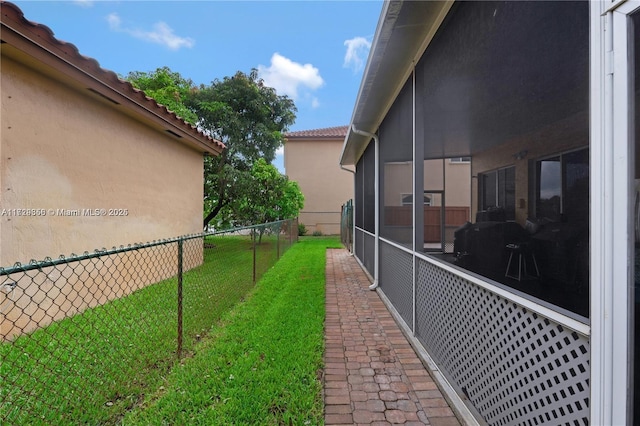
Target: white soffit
x,y
404,30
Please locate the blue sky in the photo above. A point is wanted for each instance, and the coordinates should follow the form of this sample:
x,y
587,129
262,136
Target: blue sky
x,y
312,51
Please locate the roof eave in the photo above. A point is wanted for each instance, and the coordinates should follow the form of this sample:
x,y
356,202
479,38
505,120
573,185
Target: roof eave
x,y
404,31
36,41
336,132
315,138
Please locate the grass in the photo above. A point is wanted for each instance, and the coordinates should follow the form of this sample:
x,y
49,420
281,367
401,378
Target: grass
x,y
119,359
262,364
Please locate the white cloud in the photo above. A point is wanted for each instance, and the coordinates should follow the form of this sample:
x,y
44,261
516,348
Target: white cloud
x,y
357,52
83,3
280,151
114,21
290,78
161,34
315,103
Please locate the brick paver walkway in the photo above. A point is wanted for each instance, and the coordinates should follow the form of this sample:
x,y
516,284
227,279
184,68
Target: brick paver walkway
x,y
372,374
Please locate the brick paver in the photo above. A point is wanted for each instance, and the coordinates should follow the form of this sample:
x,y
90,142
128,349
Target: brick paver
x,y
372,374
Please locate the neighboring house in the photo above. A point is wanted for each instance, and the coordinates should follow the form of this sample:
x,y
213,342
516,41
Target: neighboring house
x,y
529,315
311,159
75,136
86,160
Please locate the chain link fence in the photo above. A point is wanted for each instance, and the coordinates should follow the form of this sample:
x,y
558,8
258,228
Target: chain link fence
x,y
85,338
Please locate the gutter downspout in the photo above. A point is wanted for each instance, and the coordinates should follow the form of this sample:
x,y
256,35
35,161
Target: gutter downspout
x,y
348,170
376,252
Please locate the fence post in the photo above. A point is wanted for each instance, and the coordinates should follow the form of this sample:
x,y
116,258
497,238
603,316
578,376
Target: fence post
x,y
278,240
180,251
254,232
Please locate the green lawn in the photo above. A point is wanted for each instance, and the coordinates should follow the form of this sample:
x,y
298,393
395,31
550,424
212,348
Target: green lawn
x,y
120,360
262,365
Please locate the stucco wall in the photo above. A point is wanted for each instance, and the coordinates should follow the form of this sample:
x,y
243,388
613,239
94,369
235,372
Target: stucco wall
x,y
65,154
458,181
314,164
398,180
62,149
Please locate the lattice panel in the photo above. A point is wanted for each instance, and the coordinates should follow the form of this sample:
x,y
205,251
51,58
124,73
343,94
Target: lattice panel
x,y
514,366
396,280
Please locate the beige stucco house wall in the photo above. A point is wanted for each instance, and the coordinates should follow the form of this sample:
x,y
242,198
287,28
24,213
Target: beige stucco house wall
x,y
86,162
439,175
311,159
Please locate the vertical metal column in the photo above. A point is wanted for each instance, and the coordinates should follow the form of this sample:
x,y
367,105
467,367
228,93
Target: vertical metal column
x,y
418,202
180,252
278,241
253,235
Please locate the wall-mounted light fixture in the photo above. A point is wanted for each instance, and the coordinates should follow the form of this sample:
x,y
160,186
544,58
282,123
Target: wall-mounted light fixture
x,y
520,155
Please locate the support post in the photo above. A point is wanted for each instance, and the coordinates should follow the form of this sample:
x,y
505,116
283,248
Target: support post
x,y
180,253
253,233
278,241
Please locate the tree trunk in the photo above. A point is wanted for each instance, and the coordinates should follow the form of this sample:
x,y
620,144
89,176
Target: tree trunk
x,y
221,195
212,214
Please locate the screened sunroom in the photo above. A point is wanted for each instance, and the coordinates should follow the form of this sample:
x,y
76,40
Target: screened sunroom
x,y
493,185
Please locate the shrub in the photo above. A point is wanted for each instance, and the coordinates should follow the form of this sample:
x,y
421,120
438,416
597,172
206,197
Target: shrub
x,y
302,229
317,233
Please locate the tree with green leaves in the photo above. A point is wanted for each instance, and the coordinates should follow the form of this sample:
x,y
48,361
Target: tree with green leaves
x,y
247,116
271,196
167,88
250,119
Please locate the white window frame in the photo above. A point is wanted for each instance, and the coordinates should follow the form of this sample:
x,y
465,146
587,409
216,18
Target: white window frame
x,y
611,218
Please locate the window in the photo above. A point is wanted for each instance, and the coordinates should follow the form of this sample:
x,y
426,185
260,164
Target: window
x,y
549,192
407,199
562,187
498,189
460,160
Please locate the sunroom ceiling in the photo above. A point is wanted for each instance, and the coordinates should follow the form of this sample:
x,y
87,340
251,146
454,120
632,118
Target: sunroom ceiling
x,y
489,75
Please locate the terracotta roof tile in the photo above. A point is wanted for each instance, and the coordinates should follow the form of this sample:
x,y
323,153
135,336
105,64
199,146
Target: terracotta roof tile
x,y
327,132
13,17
